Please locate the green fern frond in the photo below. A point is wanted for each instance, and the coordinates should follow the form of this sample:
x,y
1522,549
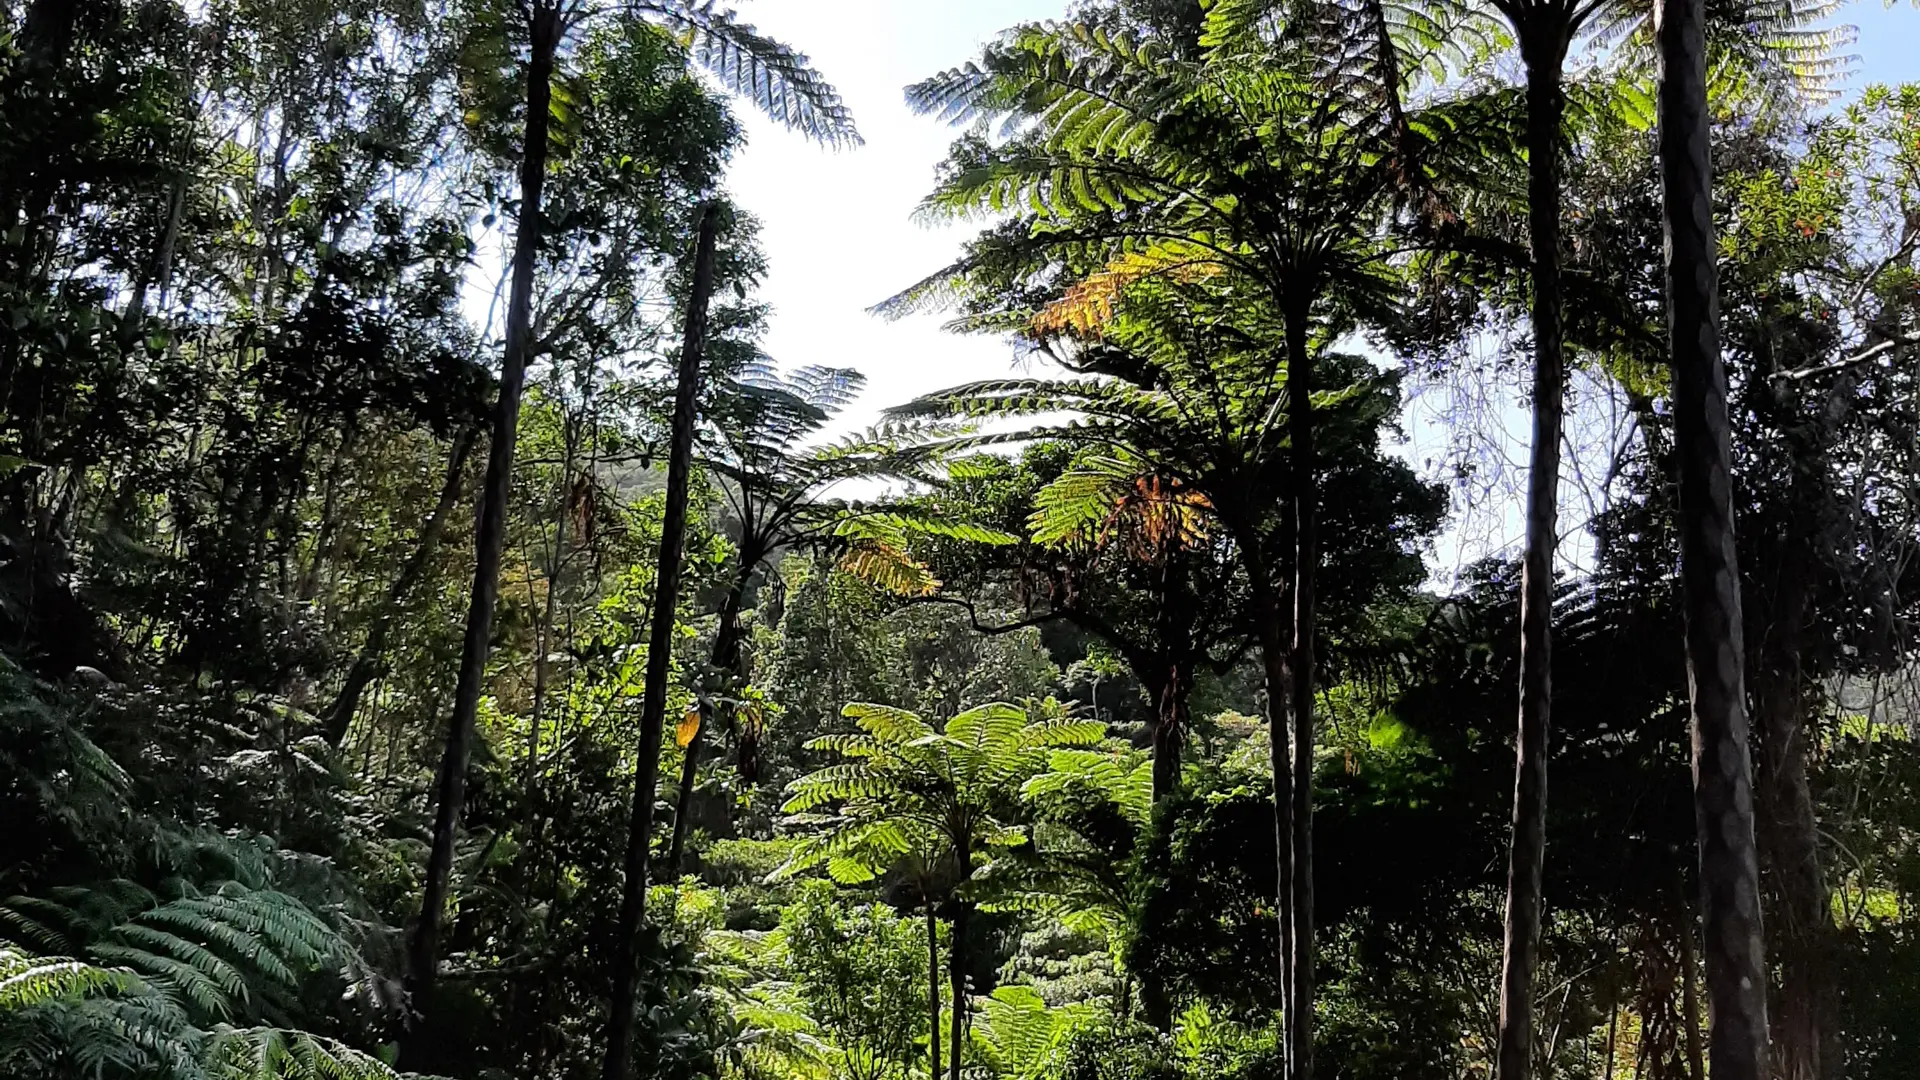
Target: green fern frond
x,y
778,79
202,979
27,981
275,1054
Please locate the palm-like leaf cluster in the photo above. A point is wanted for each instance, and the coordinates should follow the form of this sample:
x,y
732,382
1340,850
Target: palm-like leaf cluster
x,y
778,482
905,791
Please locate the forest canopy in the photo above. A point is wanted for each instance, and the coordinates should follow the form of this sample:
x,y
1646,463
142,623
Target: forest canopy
x,y
438,640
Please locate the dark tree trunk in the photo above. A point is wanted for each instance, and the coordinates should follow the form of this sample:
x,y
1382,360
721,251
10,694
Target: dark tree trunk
x,y
1173,664
1170,729
1274,659
450,784
1690,991
933,992
1306,493
1787,827
725,660
366,666
653,708
1709,563
957,978
1543,47
1805,1025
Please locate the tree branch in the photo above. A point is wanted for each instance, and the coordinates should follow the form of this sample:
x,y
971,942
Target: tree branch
x,y
973,616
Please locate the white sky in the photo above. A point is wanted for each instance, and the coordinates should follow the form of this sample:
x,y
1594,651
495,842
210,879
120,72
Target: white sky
x,y
840,236
838,226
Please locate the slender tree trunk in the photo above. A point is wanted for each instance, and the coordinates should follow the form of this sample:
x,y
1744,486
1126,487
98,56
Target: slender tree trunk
x,y
1805,1030
957,976
1789,835
366,667
1690,993
1613,1037
1709,562
1306,494
933,992
653,709
726,661
1274,658
543,636
1544,50
450,785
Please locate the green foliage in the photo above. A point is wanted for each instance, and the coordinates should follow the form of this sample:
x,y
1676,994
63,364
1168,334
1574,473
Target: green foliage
x,y
1023,1037
908,792
861,974
61,1016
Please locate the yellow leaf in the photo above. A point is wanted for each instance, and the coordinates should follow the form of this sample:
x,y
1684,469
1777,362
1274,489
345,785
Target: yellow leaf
x,y
1088,306
689,727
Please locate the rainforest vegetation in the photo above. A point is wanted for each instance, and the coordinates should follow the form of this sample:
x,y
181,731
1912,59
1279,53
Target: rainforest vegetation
x,y
437,639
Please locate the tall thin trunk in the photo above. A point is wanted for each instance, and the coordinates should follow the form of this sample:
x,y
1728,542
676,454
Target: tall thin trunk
x,y
933,992
366,666
725,659
1805,1029
1300,423
1544,49
653,708
1709,561
543,635
957,977
1787,828
450,785
1275,661
1613,1038
1690,993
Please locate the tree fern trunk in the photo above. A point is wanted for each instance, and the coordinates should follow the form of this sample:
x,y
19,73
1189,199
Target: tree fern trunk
x,y
450,785
1273,655
957,977
933,991
1690,992
1805,1031
1786,828
653,708
1169,730
1300,422
1543,47
1709,561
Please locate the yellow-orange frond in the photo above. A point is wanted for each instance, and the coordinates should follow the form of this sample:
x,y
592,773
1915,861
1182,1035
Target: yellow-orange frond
x,y
1089,305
